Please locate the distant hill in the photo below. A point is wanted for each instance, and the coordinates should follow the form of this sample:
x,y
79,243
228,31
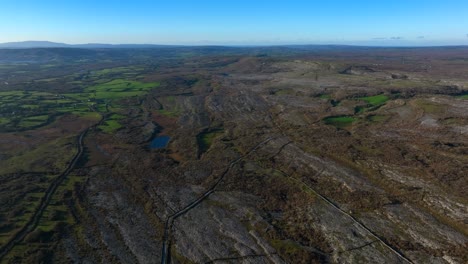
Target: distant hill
x,y
48,44
33,44
305,47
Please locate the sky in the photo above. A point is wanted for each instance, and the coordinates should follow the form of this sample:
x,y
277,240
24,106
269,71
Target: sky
x,y
237,22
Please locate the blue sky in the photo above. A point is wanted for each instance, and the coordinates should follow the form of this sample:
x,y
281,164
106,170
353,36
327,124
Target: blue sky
x,y
366,22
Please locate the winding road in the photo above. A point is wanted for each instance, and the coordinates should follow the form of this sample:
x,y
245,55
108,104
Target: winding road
x,y
34,221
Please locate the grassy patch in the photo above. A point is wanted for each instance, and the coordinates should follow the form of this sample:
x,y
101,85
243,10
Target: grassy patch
x,y
42,118
77,96
33,121
122,85
12,93
430,107
169,113
4,121
339,121
117,117
30,106
110,126
70,182
375,100
29,124
205,139
284,92
116,94
120,88
53,155
35,107
131,70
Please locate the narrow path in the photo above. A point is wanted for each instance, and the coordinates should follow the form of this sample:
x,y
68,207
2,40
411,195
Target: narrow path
x,y
170,219
353,219
34,221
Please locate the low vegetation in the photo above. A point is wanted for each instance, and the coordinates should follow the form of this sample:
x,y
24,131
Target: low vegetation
x,y
205,139
339,121
375,100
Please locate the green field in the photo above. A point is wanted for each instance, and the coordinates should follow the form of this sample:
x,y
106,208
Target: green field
x,y
375,100
41,118
11,93
128,71
339,121
26,122
119,88
35,107
112,124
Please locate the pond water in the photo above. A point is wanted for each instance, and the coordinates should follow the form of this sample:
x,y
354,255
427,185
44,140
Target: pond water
x,y
160,142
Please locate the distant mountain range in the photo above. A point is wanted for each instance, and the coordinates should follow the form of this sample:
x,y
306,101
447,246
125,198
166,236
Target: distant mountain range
x,y
48,44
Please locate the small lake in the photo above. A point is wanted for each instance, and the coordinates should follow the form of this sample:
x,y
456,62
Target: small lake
x,y
160,142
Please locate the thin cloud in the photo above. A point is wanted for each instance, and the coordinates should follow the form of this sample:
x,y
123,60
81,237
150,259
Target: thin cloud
x,y
378,38
421,37
396,38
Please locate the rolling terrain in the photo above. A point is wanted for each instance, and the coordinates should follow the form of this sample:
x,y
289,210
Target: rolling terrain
x,y
301,154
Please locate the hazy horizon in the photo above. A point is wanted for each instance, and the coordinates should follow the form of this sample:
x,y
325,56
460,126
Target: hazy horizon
x,y
207,44
208,22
